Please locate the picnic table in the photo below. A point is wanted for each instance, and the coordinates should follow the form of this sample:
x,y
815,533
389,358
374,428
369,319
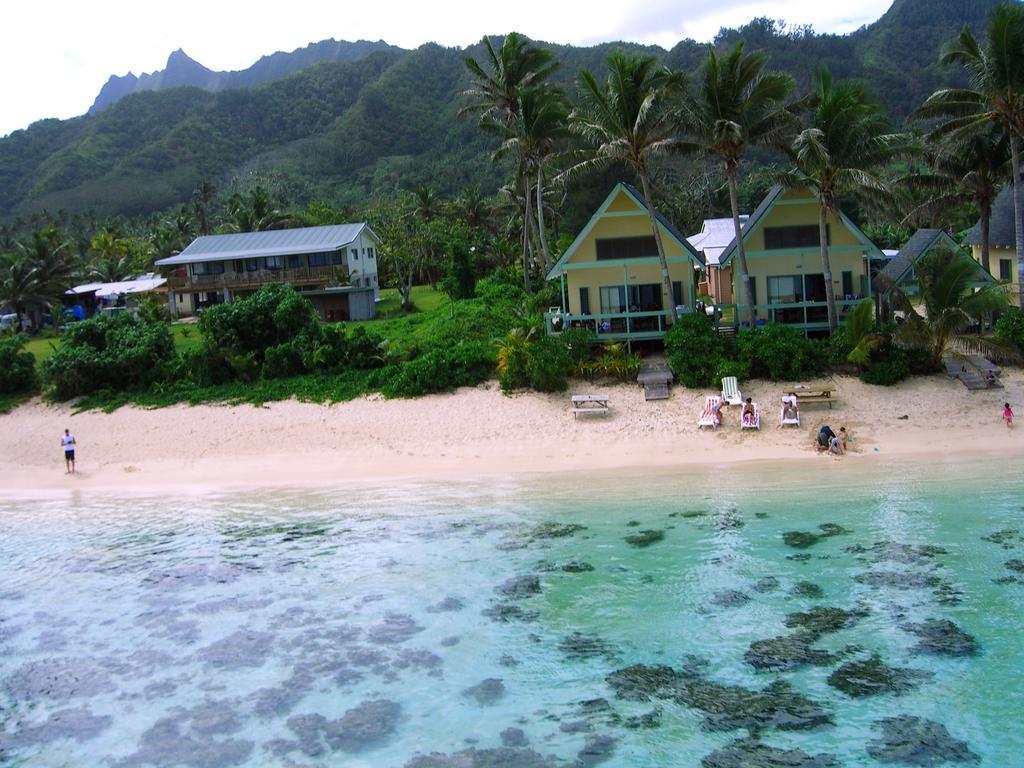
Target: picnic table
x,y
809,394
589,404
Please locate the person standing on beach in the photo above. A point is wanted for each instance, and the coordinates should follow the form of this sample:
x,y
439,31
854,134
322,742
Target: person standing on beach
x,y
1007,415
68,444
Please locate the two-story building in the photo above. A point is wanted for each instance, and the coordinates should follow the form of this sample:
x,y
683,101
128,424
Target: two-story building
x,y
783,250
1002,240
611,275
334,266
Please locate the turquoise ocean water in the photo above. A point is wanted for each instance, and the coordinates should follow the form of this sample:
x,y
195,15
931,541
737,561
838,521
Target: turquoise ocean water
x,y
617,619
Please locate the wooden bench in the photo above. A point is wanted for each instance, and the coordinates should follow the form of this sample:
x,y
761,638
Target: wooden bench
x,y
589,404
809,396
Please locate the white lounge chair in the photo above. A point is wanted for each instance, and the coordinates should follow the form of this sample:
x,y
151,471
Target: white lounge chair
x,y
731,391
795,420
711,416
754,423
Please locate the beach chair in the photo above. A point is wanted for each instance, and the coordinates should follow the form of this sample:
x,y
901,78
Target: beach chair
x,y
754,423
795,420
711,417
731,391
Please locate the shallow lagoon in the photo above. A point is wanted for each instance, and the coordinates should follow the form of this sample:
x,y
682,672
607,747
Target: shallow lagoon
x,y
530,622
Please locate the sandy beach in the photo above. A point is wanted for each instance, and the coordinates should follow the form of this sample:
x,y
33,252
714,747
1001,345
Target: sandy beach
x,y
481,431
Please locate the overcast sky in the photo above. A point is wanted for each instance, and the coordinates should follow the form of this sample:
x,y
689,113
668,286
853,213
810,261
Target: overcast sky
x,y
55,55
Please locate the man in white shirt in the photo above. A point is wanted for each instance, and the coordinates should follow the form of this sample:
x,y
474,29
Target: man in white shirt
x,y
68,444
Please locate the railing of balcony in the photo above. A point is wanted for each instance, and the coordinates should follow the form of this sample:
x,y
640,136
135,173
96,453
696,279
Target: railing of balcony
x,y
232,279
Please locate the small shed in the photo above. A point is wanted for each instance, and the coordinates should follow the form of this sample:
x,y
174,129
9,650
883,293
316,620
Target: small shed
x,y
347,302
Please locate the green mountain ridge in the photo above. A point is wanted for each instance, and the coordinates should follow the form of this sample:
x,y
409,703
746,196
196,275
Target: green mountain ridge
x,y
348,130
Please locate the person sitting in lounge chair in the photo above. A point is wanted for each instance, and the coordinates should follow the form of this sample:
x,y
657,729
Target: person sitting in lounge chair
x,y
747,415
789,411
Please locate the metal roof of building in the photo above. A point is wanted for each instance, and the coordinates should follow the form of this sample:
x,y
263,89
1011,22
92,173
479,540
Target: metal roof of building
x,y
278,242
141,284
714,237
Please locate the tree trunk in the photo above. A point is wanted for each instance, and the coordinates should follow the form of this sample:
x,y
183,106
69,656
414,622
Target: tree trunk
x,y
1018,222
985,209
527,227
742,274
666,279
540,220
826,268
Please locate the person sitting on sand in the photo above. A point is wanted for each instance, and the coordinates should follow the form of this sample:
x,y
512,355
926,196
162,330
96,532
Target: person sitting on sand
x,y
835,446
825,435
843,437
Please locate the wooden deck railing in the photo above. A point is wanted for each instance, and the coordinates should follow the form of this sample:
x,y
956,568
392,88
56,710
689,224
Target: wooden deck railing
x,y
254,279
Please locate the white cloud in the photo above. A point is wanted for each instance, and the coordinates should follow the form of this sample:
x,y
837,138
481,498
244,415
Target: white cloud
x,y
57,55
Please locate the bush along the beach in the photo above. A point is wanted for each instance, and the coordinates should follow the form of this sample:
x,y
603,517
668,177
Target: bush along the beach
x,y
695,350
1010,328
888,364
442,369
780,353
17,367
115,352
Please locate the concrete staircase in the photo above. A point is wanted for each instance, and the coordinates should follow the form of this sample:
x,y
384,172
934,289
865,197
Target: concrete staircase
x,y
655,377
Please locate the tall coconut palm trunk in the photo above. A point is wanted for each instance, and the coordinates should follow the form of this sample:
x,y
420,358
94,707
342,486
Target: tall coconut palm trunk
x,y
545,253
985,220
668,300
741,251
826,267
1018,220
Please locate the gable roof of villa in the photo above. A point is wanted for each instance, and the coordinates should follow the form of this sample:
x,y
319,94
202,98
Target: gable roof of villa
x,y
1001,231
769,202
902,268
637,198
278,242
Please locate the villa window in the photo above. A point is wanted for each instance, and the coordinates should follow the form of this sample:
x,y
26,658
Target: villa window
x,y
294,262
800,236
613,299
338,258
319,259
847,283
785,289
251,265
369,253
275,262
355,254
1005,269
208,268
612,248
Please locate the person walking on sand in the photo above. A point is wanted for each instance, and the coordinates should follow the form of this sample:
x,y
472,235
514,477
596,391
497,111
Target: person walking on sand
x,y
1007,415
68,444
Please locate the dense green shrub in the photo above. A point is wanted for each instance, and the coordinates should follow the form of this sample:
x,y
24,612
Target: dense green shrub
x,y
116,352
738,368
888,365
441,369
1010,328
780,353
17,367
694,349
274,315
548,364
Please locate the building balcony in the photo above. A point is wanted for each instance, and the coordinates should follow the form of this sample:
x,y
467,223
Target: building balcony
x,y
254,279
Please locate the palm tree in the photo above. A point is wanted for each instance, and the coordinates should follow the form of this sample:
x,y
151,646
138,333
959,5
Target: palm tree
x,y
256,211
995,96
950,305
110,258
629,119
533,135
838,154
17,283
202,201
494,95
736,105
475,208
494,92
427,203
970,169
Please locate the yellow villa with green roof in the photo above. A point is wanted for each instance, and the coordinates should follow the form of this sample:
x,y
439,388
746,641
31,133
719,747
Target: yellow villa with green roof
x,y
611,275
784,258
